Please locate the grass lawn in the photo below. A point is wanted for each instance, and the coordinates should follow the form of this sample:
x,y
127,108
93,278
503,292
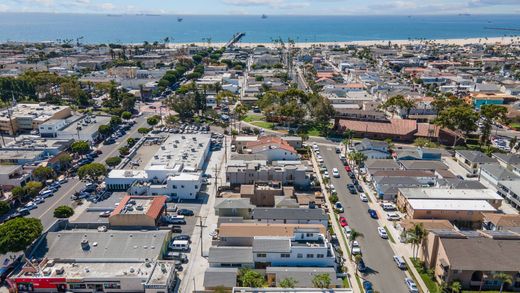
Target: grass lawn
x,y
390,237
515,126
263,124
253,117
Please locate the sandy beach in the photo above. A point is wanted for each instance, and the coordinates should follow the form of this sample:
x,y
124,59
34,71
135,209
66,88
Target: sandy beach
x,y
459,42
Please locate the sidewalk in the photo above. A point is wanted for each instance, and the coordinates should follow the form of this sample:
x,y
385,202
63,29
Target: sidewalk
x,y
351,267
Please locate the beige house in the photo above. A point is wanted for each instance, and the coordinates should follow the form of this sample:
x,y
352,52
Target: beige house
x,y
473,260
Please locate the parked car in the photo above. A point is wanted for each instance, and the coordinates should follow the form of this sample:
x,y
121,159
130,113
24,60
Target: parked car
x,y
185,212
175,255
182,237
372,213
38,200
31,205
356,249
361,266
335,173
339,207
175,229
411,285
351,175
399,261
343,221
363,197
367,286
105,214
359,188
351,188
393,217
382,232
347,168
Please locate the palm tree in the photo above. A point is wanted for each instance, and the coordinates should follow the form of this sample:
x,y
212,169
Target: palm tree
x,y
357,157
504,279
416,236
456,287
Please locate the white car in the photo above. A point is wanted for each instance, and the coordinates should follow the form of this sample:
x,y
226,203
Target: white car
x,y
382,232
339,207
335,172
31,205
326,174
38,200
320,159
363,197
393,217
356,249
411,285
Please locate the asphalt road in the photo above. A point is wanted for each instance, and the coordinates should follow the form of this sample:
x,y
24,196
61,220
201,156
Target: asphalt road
x,y
377,254
45,210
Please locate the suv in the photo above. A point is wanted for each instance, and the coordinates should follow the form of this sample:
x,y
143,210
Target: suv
x,y
351,188
185,212
338,207
411,285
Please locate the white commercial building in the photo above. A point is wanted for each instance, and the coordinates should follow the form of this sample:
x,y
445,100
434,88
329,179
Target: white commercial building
x,y
175,170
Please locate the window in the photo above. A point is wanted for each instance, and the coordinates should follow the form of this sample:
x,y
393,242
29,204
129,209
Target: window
x,y
300,255
310,255
261,255
285,255
320,256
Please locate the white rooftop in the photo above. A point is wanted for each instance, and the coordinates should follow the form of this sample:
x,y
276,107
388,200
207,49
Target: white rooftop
x,y
448,193
181,151
451,205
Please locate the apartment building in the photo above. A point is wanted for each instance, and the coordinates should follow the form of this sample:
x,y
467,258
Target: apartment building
x,y
294,173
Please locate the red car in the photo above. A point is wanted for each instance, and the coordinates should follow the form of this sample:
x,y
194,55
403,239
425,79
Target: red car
x,y
343,221
347,168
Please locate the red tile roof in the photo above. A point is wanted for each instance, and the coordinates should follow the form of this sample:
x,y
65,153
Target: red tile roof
x,y
154,210
270,141
395,126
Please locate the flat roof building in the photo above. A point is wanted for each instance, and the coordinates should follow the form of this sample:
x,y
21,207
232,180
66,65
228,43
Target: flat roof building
x,y
27,117
138,211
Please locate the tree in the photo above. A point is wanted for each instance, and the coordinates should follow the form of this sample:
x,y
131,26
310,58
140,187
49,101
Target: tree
x,y
416,236
357,157
104,130
113,161
65,161
18,192
63,212
321,280
458,119
504,279
80,147
491,114
17,234
43,173
143,130
456,287
398,102
250,278
513,142
289,282
124,151
131,141
4,208
92,171
126,115
357,259
154,120
32,188
115,120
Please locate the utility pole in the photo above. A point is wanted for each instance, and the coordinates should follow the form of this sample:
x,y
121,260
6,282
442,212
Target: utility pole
x,y
201,231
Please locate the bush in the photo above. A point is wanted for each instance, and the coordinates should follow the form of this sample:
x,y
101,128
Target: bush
x,y
63,212
4,208
333,199
113,161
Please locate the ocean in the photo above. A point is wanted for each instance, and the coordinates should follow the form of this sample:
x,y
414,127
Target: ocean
x,y
97,28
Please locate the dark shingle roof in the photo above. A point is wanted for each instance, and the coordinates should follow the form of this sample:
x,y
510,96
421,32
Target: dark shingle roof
x,y
289,214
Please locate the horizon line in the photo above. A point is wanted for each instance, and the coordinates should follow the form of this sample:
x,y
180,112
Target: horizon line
x,y
260,14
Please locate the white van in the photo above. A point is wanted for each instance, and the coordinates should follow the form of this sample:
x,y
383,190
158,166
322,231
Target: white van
x,y
180,245
388,206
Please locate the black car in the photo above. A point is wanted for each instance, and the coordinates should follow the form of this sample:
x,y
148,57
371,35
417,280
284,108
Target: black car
x,y
351,188
182,237
361,266
355,182
359,188
175,229
185,212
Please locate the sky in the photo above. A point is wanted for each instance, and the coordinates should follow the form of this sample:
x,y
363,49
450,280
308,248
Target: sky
x,y
269,7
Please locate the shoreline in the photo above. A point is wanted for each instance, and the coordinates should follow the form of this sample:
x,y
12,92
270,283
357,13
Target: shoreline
x,y
460,42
